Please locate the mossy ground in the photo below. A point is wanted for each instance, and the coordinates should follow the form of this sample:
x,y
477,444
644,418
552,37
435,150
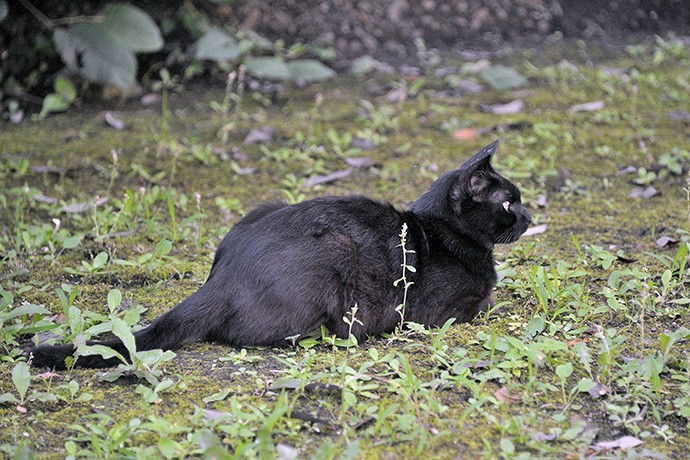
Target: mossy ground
x,y
462,396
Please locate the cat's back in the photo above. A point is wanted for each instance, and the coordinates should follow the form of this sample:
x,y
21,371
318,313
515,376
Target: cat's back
x,y
306,244
355,215
355,221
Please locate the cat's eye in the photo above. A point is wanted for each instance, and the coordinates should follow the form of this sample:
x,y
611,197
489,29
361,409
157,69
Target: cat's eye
x,y
506,205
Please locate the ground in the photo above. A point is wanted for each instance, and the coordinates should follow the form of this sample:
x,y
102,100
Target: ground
x,y
585,353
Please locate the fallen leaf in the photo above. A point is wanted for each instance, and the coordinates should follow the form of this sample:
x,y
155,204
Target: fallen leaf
x,y
238,154
665,241
114,122
332,177
589,429
16,116
397,95
535,230
644,192
364,144
44,199
359,162
598,390
48,375
244,170
150,99
475,67
504,396
616,71
259,135
21,409
587,107
364,64
285,452
465,134
539,436
625,442
48,169
468,86
510,108
286,384
679,115
410,70
210,414
627,170
501,77
83,206
443,72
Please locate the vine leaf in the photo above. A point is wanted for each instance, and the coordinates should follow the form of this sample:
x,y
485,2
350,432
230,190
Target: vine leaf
x,y
104,52
216,45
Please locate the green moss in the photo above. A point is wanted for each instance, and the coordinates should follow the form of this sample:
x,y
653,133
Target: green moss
x,y
465,406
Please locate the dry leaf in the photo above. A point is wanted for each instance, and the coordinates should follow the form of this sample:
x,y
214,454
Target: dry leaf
x,y
465,134
598,390
627,170
678,115
665,241
468,86
535,230
616,71
114,122
44,199
503,396
48,375
48,169
626,442
539,436
285,452
359,162
510,108
587,107
83,206
364,144
397,95
334,176
150,99
259,135
644,192
210,414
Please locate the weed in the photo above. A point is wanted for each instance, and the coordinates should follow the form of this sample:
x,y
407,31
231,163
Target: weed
x,y
406,285
584,339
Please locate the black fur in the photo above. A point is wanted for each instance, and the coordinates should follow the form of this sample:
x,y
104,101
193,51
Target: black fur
x,y
283,271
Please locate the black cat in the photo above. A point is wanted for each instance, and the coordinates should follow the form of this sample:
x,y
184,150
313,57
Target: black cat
x,y
283,271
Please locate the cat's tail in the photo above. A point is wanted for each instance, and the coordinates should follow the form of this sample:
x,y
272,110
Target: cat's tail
x,y
182,324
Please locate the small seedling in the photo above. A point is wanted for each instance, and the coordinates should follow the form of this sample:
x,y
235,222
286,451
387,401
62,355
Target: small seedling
x,y
400,309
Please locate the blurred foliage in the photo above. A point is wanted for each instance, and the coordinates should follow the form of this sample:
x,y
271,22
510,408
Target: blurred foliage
x,y
49,62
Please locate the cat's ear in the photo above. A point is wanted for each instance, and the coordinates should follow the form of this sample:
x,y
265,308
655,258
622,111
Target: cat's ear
x,y
453,187
474,177
483,157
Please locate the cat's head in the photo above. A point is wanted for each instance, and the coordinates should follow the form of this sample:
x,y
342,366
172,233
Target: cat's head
x,y
477,200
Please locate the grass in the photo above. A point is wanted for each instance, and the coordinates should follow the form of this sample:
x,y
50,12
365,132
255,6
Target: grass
x,y
585,352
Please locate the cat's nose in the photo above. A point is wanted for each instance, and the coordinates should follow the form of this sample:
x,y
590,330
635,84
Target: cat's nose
x,y
527,217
